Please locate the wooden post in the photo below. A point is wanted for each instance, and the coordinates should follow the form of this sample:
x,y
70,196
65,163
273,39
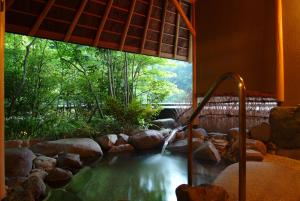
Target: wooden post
x,y
279,52
194,100
2,32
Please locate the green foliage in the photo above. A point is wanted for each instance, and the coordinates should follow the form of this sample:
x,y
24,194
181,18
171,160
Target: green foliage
x,y
54,89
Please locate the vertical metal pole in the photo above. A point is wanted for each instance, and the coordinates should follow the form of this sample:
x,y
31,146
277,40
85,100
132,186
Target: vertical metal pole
x,y
242,142
279,51
194,101
190,155
2,32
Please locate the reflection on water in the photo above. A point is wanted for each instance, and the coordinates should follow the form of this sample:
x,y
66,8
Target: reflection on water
x,y
147,177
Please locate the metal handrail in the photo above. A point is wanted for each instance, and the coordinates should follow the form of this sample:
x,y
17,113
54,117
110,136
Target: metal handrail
x,y
242,129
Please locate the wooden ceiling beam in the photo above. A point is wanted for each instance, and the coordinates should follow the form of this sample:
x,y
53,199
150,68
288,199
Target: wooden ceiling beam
x,y
102,23
177,33
124,35
41,17
184,17
9,3
162,29
147,25
75,20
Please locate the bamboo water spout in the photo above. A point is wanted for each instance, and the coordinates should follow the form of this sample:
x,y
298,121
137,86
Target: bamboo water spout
x,y
242,129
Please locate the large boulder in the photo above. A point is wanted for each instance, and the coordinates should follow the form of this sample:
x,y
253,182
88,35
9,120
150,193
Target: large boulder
x,y
85,147
261,132
181,146
58,177
285,126
18,162
148,139
44,163
268,181
207,152
201,193
107,141
165,123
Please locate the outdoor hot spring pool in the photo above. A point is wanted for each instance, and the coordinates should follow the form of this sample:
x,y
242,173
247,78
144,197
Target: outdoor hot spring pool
x,y
138,177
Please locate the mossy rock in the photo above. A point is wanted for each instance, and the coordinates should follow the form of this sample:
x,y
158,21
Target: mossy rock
x,y
285,126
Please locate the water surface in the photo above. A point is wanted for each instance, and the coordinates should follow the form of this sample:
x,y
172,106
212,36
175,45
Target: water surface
x,y
143,177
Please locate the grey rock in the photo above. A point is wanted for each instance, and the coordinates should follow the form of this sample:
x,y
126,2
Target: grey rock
x,y
44,163
107,141
85,147
18,162
285,126
165,132
165,123
38,173
148,139
208,152
181,146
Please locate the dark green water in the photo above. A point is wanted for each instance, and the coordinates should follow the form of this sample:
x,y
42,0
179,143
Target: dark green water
x,y
147,177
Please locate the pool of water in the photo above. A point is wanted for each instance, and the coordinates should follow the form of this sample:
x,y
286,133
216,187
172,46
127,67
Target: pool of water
x,y
139,177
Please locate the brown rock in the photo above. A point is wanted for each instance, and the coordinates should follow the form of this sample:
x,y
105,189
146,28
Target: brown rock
x,y
19,194
180,135
36,186
256,145
18,162
107,141
69,161
122,139
261,132
207,151
148,139
201,193
181,146
58,177
38,173
252,155
198,133
285,127
290,153
44,163
123,148
13,144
